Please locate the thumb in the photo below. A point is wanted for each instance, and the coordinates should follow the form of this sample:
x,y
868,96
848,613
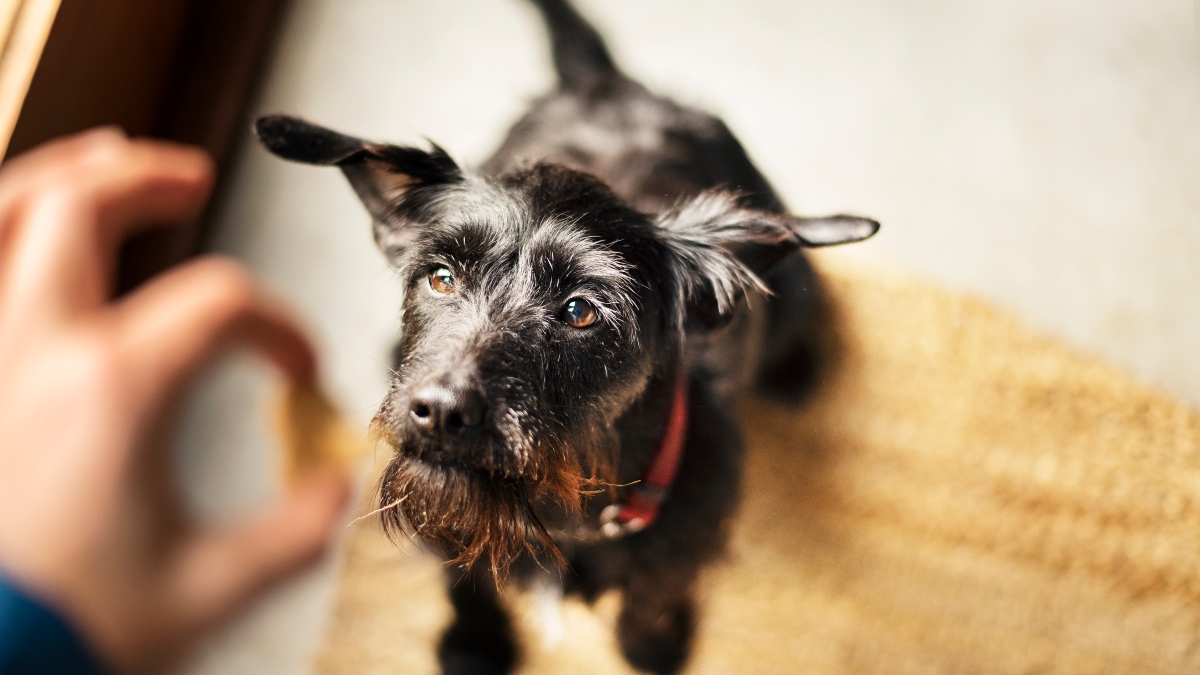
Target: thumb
x,y
222,570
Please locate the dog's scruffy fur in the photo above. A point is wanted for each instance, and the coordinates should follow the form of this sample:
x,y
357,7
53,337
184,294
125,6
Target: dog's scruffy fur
x,y
512,427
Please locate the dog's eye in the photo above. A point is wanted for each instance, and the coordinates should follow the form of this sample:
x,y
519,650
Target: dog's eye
x,y
579,313
441,281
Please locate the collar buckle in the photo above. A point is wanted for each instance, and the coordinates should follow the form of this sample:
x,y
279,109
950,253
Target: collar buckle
x,y
613,526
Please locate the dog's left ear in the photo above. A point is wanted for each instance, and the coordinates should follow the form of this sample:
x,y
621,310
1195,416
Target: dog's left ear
x,y
723,250
394,182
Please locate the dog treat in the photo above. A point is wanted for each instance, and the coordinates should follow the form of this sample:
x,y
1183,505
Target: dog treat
x,y
314,433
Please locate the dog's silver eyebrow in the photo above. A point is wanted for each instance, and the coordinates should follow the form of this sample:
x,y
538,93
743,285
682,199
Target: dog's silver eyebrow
x,y
586,257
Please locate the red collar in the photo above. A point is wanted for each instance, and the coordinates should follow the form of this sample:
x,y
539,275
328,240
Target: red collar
x,y
639,508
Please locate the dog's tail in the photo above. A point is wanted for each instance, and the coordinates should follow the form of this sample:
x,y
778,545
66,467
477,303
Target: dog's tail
x,y
580,57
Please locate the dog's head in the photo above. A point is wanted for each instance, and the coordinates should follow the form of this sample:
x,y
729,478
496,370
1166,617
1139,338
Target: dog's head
x,y
537,308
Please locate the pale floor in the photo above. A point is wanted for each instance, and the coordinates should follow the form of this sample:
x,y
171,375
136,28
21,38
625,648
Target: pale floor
x,y
1043,154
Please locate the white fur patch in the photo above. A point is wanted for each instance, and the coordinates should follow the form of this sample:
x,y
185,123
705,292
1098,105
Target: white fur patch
x,y
546,611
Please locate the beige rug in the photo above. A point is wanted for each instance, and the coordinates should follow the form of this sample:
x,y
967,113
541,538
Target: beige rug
x,y
963,496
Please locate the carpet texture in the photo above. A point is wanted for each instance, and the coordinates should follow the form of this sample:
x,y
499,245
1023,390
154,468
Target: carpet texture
x,y
962,495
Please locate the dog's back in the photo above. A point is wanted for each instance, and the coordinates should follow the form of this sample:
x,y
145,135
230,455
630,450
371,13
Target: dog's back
x,y
650,150
654,153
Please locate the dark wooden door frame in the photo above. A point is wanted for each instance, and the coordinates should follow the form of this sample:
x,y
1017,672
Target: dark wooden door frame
x,y
174,69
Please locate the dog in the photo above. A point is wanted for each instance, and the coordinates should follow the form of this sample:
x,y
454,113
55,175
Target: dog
x,y
580,316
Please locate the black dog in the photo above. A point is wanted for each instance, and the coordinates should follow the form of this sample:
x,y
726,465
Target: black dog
x,y
577,324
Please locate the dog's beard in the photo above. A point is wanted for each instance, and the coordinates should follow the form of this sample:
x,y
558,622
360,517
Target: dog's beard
x,y
472,514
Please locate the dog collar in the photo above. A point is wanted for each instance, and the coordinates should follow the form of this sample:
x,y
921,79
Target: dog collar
x,y
639,509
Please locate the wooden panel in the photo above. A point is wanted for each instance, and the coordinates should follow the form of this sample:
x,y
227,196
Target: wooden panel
x,y
176,69
106,62
215,69
24,27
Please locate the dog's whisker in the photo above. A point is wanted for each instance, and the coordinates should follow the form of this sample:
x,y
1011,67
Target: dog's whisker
x,y
365,356
604,483
379,510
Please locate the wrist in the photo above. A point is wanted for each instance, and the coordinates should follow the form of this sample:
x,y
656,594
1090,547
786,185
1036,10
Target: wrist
x,y
34,638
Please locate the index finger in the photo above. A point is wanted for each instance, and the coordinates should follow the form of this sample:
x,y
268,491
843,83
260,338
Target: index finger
x,y
69,224
21,173
178,323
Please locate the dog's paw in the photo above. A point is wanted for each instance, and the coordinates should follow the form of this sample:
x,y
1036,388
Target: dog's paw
x,y
476,646
473,663
660,647
792,378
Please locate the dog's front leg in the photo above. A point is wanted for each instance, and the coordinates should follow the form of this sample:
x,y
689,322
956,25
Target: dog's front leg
x,y
480,639
656,624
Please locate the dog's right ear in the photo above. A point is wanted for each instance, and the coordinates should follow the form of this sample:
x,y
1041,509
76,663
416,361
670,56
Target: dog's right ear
x,y
722,251
395,183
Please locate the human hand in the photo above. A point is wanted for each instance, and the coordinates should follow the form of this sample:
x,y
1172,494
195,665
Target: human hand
x,y
91,520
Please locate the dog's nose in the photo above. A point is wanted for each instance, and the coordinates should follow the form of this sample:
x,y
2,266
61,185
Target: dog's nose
x,y
445,411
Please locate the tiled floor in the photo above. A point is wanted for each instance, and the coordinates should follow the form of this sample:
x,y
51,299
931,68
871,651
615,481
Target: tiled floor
x,y
1044,154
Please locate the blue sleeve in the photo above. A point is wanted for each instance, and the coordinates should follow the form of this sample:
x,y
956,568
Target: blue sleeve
x,y
36,641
